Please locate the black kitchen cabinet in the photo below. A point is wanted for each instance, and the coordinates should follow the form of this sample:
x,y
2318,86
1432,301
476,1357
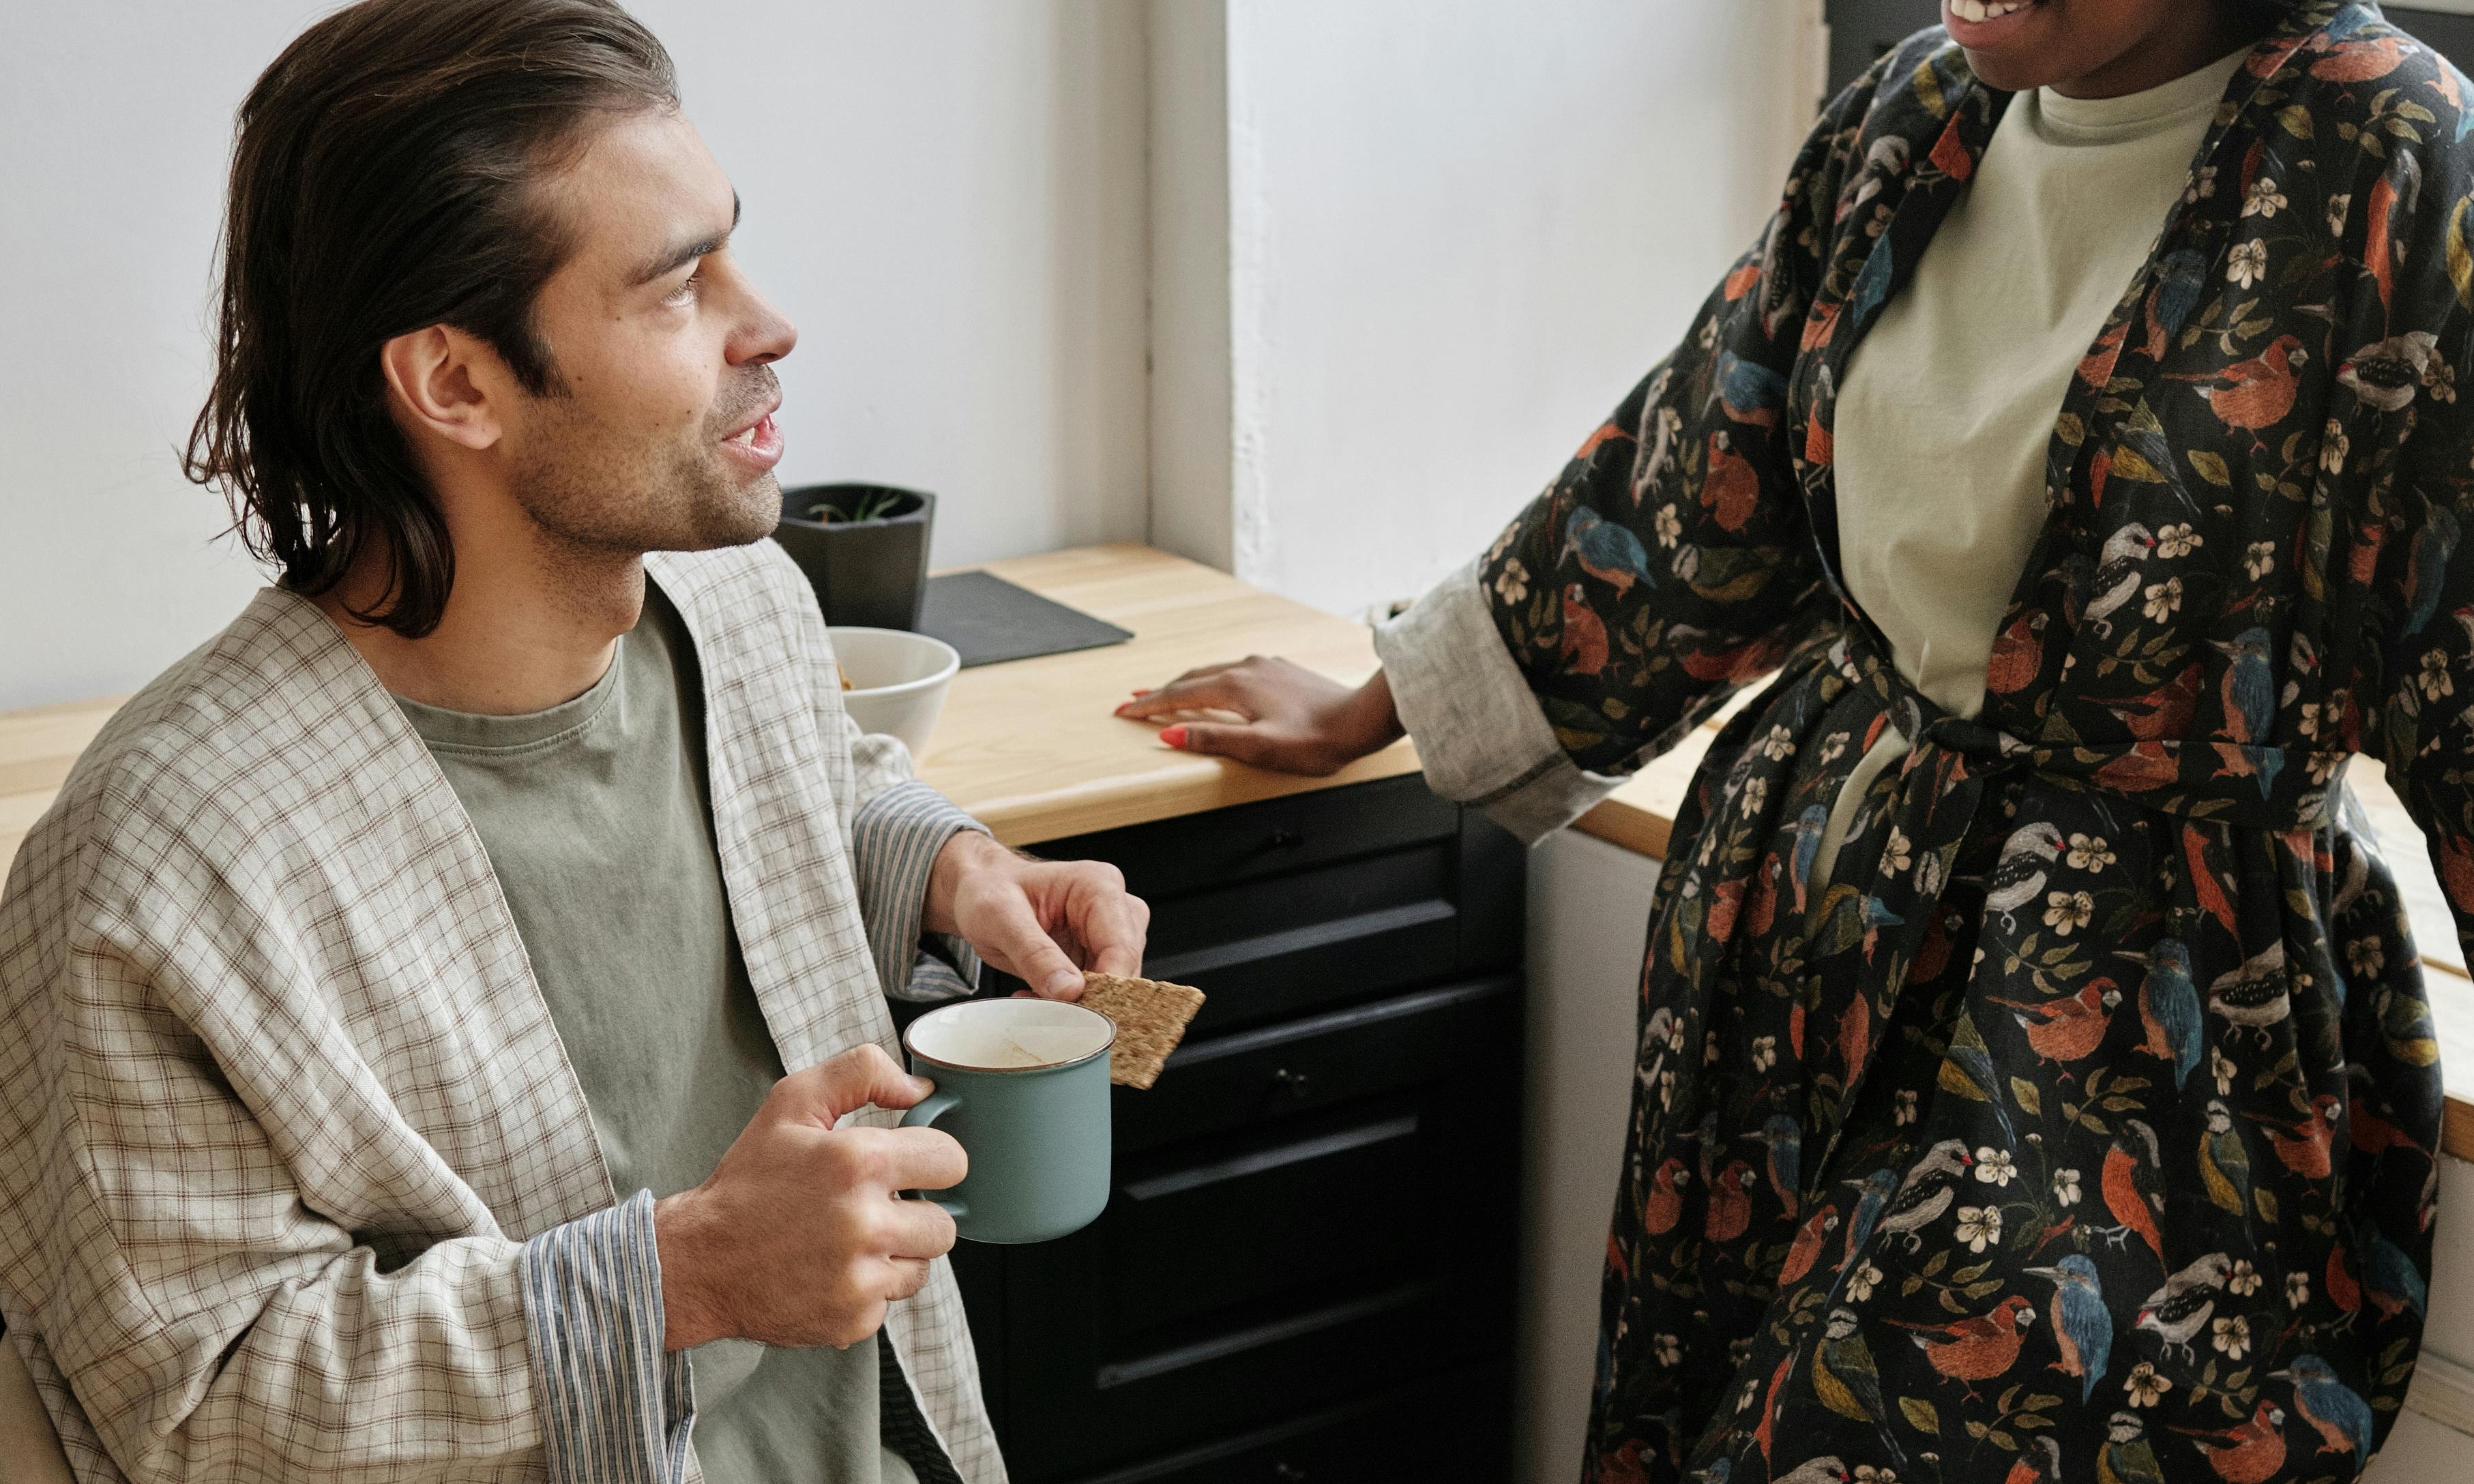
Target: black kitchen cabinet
x,y
1307,1267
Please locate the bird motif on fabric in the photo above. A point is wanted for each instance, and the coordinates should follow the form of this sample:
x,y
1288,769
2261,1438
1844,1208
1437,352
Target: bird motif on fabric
x,y
2255,995
2305,1148
2394,1281
2257,394
2127,1457
1874,1197
2019,877
2339,1414
1979,1348
2388,372
1804,1251
2224,1164
2068,1029
2165,711
2121,569
2018,655
1783,1140
2252,1453
2360,62
2180,279
1848,1382
2248,686
1924,1193
2039,1462
2182,1307
2434,541
1748,391
1607,552
1967,1070
1730,1202
2083,1325
1809,828
1817,1471
1665,1205
1730,487
2134,1184
2169,1006
1585,635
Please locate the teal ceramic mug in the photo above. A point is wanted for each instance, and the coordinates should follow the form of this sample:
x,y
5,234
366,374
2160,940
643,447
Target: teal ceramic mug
x,y
1023,1085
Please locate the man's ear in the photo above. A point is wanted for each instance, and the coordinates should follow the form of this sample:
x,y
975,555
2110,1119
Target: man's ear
x,y
440,380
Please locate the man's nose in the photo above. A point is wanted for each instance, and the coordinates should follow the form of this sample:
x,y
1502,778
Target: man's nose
x,y
768,336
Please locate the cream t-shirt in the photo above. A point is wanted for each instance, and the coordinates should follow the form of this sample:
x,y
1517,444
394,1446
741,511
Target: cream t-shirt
x,y
1949,404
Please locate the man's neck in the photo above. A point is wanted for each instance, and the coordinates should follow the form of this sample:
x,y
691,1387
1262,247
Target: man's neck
x,y
523,631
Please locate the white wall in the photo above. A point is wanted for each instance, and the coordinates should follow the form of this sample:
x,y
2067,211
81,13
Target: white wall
x,y
949,200
1458,235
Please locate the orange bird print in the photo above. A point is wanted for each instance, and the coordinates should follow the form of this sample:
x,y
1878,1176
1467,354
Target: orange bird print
x,y
2252,1453
2255,394
1979,1349
2359,62
1584,634
2134,1192
2303,1148
2456,872
1806,1249
1729,486
1730,1202
1665,1205
2164,712
2018,655
2070,1028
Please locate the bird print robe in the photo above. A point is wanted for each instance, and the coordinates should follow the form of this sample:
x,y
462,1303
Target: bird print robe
x,y
2085,1124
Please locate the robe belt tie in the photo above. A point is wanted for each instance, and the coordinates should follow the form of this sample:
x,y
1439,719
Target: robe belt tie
x,y
2276,788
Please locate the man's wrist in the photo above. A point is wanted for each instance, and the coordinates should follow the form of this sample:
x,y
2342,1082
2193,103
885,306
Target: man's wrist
x,y
968,851
682,1238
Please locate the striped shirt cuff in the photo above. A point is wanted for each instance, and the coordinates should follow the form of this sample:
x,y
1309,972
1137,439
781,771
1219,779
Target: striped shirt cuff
x,y
895,842
613,1405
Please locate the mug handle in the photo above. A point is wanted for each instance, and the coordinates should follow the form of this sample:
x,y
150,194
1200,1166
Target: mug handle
x,y
924,1114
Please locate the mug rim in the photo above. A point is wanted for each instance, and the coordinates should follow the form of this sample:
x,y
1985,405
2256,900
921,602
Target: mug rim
x,y
1104,1047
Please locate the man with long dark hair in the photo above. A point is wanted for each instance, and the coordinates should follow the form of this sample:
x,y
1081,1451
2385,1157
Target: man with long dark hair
x,y
511,855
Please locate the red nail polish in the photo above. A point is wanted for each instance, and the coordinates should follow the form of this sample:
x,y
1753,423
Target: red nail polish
x,y
1174,736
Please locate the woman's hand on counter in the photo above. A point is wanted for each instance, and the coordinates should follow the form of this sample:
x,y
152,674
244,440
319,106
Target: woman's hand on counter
x,y
1289,718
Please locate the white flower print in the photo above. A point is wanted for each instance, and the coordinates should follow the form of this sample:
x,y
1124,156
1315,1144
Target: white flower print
x,y
1902,1107
2366,955
1671,1350
2338,206
2258,558
1994,1166
1832,748
2089,852
2264,199
1670,526
2440,379
2066,1187
2178,541
2244,1279
1894,852
1779,746
1502,543
2221,1067
2248,263
2232,1337
2162,599
2146,1387
1868,1473
1708,336
1979,1227
2203,184
1929,876
1764,1051
1709,1051
1666,1089
2334,446
2297,1289
1512,584
2434,678
1860,1284
2067,910
2308,721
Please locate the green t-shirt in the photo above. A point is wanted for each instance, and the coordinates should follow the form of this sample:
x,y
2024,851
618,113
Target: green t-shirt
x,y
599,823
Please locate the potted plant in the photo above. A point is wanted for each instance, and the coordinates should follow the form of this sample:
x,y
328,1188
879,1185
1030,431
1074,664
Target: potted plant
x,y
865,546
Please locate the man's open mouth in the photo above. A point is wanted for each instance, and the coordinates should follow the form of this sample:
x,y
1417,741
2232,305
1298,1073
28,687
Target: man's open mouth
x,y
1978,11
759,443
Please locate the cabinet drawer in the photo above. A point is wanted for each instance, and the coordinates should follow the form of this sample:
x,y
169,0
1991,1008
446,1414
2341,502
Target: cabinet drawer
x,y
1454,1429
1272,837
1295,1067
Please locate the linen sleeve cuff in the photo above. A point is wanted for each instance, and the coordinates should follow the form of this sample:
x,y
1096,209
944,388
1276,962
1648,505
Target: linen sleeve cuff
x,y
1478,728
895,842
613,1404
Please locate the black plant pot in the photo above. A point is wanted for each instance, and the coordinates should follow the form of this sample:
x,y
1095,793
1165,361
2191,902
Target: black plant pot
x,y
872,573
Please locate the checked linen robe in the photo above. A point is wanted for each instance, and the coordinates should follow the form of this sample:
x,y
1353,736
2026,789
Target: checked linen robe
x,y
2086,1121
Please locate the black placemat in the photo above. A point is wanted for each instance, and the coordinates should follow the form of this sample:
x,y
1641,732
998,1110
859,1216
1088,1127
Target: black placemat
x,y
989,621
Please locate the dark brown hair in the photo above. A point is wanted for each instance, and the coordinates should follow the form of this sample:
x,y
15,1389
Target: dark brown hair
x,y
382,180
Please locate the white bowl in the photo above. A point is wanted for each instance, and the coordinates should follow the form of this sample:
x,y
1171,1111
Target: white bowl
x,y
898,680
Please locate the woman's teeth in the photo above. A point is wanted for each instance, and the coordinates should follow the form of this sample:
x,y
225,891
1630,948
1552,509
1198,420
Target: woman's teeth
x,y
1981,10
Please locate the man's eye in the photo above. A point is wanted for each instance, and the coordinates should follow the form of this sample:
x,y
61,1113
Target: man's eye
x,y
686,291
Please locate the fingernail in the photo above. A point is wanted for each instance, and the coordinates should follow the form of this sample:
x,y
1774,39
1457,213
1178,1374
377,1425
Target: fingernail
x,y
1139,695
1174,736
1063,982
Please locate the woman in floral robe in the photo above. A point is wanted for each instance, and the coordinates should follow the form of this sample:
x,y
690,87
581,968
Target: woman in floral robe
x,y
1868,1227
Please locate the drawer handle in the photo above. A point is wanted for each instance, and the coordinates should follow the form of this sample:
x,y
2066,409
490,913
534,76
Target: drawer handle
x,y
1294,1082
1288,1473
1284,840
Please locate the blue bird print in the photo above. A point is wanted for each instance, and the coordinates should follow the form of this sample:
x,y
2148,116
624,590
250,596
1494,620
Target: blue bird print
x,y
1877,1187
1872,284
2330,1405
2394,1282
2148,440
2427,566
2180,279
1970,1062
2169,1006
2248,687
2083,1325
1809,826
1750,391
1785,1140
1876,916
1609,552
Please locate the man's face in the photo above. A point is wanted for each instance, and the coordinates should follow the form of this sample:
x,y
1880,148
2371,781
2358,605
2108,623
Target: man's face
x,y
2048,43
659,433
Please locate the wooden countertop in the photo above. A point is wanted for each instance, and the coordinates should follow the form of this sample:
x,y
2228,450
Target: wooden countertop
x,y
1031,748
